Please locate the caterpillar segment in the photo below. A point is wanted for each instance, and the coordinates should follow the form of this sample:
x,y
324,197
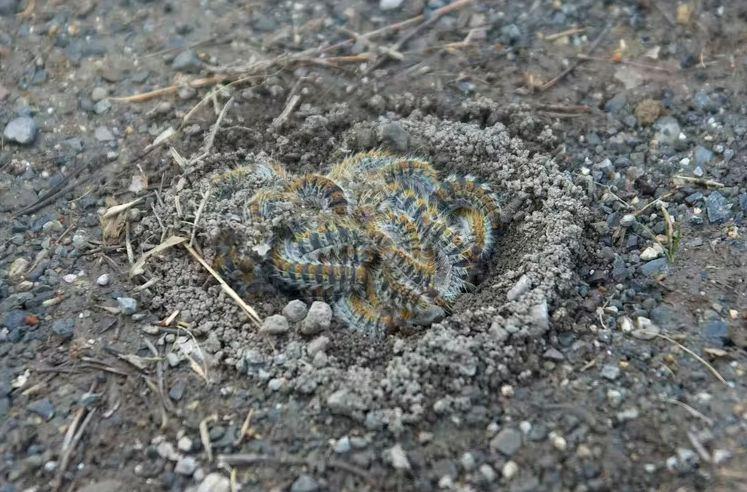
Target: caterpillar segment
x,y
323,278
411,174
353,167
321,192
361,315
265,203
460,195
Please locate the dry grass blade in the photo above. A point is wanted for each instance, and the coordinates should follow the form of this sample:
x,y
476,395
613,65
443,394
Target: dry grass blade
x,y
697,357
172,89
690,410
180,161
138,267
250,312
200,209
205,436
680,181
118,209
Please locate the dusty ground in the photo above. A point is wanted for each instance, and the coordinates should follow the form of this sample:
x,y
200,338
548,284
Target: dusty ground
x,y
604,347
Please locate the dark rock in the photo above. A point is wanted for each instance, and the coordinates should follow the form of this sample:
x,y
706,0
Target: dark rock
x,y
305,483
9,7
177,391
616,103
21,130
507,441
64,328
694,198
716,332
42,407
702,156
716,207
187,61
743,202
619,269
655,267
510,34
14,319
668,130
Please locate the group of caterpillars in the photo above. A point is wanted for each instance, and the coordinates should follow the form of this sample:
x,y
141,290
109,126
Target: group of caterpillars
x,y
387,242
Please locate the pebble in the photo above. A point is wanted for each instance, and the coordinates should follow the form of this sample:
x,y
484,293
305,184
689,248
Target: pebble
x,y
390,4
18,268
647,111
398,458
166,451
9,7
64,328
652,252
487,473
716,332
627,220
277,324
520,287
21,130
99,93
510,469
173,359
127,305
468,462
610,372
186,465
177,391
655,267
554,355
103,134
304,483
668,130
558,441
614,398
318,319
646,329
295,310
319,344
184,444
510,33
43,408
187,61
702,156
628,414
214,482
716,207
103,280
275,384
342,445
507,441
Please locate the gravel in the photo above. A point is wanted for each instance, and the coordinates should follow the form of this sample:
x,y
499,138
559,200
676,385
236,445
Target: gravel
x,y
64,328
304,483
295,310
127,305
507,441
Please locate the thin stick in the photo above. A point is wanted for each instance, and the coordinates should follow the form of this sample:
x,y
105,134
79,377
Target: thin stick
x,y
690,409
699,358
568,32
198,214
289,107
708,183
172,89
550,83
72,443
250,312
205,436
244,427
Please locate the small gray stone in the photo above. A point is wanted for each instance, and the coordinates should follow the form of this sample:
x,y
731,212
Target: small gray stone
x,y
184,444
43,408
295,311
21,130
468,462
186,465
214,482
390,4
99,93
103,280
716,206
177,391
103,134
520,287
397,457
507,441
127,305
187,61
64,328
318,319
304,483
668,130
342,445
319,344
610,371
510,34
276,324
627,220
9,7
702,156
655,267
396,137
102,106
554,354
488,473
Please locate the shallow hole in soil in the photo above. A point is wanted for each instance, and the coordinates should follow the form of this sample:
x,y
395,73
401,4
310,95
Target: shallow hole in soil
x,y
487,340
